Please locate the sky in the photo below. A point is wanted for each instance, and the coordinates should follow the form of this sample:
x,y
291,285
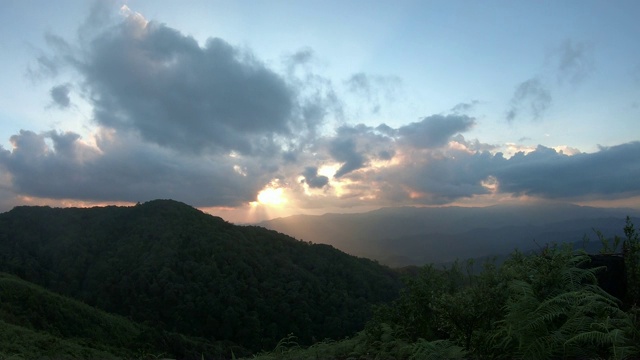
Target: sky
x,y
251,110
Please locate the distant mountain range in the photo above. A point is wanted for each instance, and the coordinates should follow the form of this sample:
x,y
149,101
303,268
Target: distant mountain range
x,y
416,236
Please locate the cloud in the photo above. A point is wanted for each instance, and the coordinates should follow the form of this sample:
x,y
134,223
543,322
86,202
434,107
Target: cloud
x,y
149,78
355,146
435,131
211,125
473,145
301,57
176,94
374,88
386,154
121,168
312,179
439,177
530,95
547,173
344,151
573,61
60,96
50,65
569,62
462,108
371,86
315,95
100,16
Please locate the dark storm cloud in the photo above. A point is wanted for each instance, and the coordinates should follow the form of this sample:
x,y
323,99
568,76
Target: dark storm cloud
x,y
530,96
312,179
124,169
435,131
60,95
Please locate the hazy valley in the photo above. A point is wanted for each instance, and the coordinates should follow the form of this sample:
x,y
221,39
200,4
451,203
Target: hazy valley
x,y
417,236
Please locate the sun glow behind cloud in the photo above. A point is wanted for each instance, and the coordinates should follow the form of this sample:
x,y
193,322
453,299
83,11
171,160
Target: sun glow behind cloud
x,y
272,197
271,202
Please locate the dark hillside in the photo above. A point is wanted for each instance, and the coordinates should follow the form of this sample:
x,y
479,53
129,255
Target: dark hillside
x,y
178,269
36,323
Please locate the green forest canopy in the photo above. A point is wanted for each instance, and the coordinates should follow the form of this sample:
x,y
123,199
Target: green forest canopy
x,y
176,268
189,285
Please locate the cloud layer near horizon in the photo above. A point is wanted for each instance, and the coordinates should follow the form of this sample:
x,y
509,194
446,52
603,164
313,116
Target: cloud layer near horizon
x,y
212,125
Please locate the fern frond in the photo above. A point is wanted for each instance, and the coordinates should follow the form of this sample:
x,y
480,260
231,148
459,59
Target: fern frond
x,y
592,337
542,347
575,277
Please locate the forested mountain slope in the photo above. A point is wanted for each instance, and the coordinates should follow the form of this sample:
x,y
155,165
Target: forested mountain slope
x,y
37,323
176,268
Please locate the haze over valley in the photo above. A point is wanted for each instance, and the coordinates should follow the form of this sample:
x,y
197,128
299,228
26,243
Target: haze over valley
x,y
419,236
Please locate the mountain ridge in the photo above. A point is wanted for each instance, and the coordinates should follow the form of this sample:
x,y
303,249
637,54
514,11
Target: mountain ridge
x,y
162,262
379,234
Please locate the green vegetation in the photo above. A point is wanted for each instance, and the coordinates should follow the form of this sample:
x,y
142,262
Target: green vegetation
x,y
173,268
38,323
190,286
544,305
31,310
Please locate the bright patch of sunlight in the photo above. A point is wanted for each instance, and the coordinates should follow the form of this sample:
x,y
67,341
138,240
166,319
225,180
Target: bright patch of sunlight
x,y
328,170
271,196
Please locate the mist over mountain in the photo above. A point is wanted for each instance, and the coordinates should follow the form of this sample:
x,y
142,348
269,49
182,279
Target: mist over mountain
x,y
420,235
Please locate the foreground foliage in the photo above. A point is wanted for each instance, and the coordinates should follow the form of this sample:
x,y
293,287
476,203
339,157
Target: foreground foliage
x,y
545,305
